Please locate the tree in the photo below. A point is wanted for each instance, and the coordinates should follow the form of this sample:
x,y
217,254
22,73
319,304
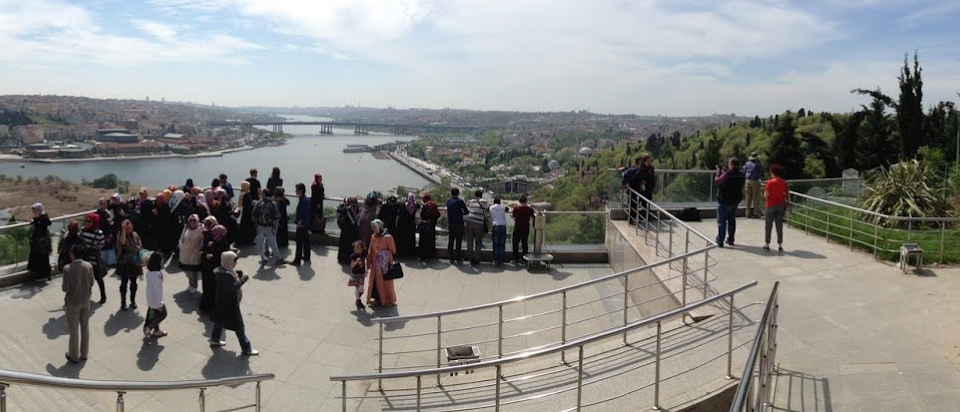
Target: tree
x,y
909,109
785,147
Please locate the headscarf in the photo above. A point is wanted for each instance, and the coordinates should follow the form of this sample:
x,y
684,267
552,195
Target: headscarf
x,y
143,197
378,227
411,203
317,178
188,185
372,198
193,218
73,227
228,261
209,222
93,222
244,186
38,207
354,205
176,199
172,188
116,197
161,198
427,197
168,193
219,232
220,193
202,201
102,204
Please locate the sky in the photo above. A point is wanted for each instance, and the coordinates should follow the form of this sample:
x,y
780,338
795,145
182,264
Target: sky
x,y
646,57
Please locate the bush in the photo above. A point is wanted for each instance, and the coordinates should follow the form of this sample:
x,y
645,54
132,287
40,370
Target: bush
x,y
905,189
107,181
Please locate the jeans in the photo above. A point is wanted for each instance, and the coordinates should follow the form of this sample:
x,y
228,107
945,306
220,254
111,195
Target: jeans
x,y
241,335
267,237
726,222
455,237
78,326
499,243
303,245
773,216
520,240
474,241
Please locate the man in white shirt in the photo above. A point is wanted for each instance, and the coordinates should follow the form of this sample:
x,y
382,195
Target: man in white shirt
x,y
498,219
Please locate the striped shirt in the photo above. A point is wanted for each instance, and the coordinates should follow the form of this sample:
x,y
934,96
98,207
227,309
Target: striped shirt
x,y
476,212
92,240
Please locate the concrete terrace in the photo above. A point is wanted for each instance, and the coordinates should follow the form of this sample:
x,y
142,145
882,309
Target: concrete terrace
x,y
855,334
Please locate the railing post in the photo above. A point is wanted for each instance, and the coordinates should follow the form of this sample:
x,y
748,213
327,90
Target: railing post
x,y
380,359
730,341
120,401
563,327
909,230
626,299
3,397
827,214
343,395
656,380
439,347
686,249
670,241
496,396
656,248
257,407
646,224
943,230
850,232
418,393
876,239
706,263
580,379
203,400
806,220
500,331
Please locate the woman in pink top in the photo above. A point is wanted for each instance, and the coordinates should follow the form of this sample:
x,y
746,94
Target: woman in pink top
x,y
776,192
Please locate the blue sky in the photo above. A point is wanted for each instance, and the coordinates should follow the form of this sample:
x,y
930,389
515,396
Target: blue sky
x,y
679,57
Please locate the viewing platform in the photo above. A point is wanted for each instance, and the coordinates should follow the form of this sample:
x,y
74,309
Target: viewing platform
x,y
853,333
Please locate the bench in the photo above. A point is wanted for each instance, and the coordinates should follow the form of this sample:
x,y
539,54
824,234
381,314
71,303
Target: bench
x,y
463,355
538,260
907,250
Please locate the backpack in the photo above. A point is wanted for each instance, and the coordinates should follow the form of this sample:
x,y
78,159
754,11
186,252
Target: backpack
x,y
264,214
628,175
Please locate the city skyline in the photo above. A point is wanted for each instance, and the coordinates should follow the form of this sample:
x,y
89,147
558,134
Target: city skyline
x,y
672,58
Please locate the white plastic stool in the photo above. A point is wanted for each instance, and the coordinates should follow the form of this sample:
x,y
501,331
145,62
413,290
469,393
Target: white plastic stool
x,y
907,250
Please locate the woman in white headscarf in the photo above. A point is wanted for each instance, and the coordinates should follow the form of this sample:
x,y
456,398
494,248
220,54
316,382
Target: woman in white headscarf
x,y
380,292
40,244
227,314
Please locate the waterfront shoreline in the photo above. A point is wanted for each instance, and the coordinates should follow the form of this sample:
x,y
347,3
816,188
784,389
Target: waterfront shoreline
x,y
219,153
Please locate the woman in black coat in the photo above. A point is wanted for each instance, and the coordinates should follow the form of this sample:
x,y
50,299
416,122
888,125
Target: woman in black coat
x,y
348,214
317,194
214,244
389,213
283,226
227,314
406,234
40,244
247,229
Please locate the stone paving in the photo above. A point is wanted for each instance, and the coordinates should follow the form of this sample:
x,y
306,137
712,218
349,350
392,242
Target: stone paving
x,y
855,333
302,319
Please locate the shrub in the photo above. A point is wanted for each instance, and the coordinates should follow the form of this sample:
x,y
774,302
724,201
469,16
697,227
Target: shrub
x,y
904,189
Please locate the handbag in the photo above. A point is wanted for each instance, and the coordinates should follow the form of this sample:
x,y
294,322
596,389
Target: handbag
x,y
394,272
141,257
318,224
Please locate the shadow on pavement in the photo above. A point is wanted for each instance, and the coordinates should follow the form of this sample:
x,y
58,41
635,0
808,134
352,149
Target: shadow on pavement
x,y
68,370
30,289
802,392
55,327
120,320
186,302
224,363
149,355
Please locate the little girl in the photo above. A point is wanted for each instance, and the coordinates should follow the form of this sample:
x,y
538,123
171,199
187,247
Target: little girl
x,y
358,271
156,311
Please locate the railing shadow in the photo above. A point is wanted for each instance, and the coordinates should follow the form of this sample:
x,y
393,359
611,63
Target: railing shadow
x,y
803,393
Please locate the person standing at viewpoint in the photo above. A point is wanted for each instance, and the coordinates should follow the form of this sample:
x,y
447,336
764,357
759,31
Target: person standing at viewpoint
x,y
776,191
753,171
498,220
476,220
303,224
521,228
78,282
456,209
729,194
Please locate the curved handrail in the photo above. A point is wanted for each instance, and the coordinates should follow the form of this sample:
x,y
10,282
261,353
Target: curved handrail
x,y
541,294
747,377
673,218
32,379
545,351
876,214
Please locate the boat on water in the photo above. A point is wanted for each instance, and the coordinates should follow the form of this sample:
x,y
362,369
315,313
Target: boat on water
x,y
357,148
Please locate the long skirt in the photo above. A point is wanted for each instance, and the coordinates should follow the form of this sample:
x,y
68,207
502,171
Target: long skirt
x,y
39,263
209,284
348,235
428,240
380,289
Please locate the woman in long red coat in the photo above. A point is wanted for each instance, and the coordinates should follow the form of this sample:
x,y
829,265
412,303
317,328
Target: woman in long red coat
x,y
379,258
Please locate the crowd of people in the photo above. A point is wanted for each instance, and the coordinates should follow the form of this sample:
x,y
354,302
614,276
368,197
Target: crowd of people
x,y
202,230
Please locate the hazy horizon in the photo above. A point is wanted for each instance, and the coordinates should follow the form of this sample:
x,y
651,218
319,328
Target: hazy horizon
x,y
671,58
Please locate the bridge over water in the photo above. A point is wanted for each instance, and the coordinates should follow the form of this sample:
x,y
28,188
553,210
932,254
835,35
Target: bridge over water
x,y
326,127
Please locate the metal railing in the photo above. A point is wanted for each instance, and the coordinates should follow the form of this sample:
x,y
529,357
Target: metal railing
x,y
877,233
9,378
675,185
578,345
753,392
563,314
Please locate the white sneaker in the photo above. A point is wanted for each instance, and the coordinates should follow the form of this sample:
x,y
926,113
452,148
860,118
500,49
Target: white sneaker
x,y
217,343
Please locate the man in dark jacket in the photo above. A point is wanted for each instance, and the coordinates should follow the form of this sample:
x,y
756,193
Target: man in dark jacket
x,y
729,194
227,314
303,223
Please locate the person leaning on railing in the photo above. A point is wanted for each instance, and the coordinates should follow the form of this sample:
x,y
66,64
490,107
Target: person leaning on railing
x,y
40,244
776,192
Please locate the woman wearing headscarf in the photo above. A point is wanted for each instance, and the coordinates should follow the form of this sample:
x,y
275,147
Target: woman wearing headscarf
x,y
247,229
348,214
227,314
389,213
93,242
40,245
67,241
145,224
214,245
274,181
188,186
191,241
406,234
283,225
166,226
428,228
369,212
223,212
109,237
317,194
119,210
128,270
380,257
202,209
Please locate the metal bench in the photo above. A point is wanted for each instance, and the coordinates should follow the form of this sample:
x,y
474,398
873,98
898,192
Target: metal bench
x,y
907,250
462,355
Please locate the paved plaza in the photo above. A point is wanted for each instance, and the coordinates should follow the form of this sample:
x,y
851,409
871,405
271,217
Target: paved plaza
x,y
855,334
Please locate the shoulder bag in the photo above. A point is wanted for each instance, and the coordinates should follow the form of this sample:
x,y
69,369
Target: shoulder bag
x,y
394,272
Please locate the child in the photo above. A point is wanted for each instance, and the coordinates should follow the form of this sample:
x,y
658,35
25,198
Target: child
x,y
358,271
156,311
